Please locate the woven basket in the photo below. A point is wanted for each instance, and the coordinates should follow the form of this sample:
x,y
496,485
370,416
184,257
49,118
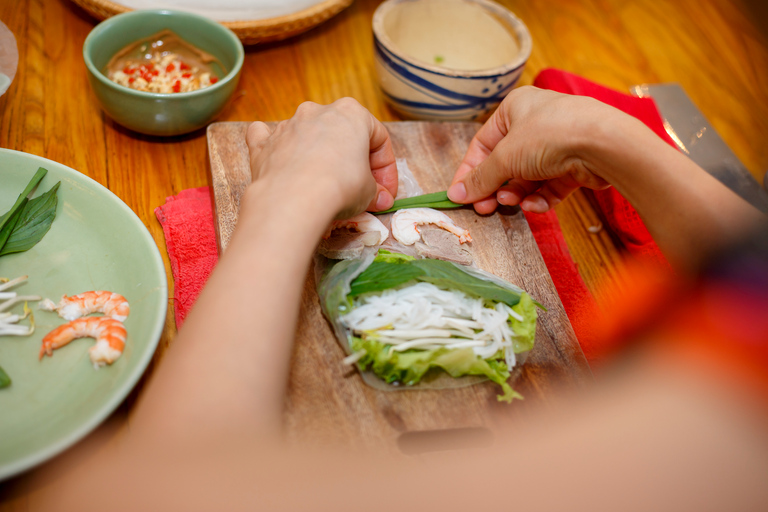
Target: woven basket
x,y
249,32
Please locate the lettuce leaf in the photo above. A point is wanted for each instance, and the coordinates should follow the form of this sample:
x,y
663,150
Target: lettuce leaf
x,y
408,367
525,330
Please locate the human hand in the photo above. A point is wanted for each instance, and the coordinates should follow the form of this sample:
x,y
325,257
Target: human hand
x,y
339,154
538,141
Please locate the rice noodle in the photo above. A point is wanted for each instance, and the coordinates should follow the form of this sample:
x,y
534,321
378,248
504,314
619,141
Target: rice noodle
x,y
425,317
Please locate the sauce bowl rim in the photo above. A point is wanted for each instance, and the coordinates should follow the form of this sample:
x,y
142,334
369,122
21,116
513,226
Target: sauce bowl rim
x,y
520,30
104,25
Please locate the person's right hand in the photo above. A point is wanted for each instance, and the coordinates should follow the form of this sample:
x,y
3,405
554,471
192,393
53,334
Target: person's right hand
x,y
537,141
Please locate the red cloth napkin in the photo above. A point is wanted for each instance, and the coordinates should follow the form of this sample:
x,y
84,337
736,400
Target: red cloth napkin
x,y
187,221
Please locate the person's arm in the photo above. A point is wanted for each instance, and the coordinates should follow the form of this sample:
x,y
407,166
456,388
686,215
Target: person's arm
x,y
232,354
549,144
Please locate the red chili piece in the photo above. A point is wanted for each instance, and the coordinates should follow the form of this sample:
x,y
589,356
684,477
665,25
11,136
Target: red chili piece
x,y
186,75
183,66
169,68
177,86
214,79
131,80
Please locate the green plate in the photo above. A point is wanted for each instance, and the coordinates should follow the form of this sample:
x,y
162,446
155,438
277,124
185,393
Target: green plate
x,y
95,243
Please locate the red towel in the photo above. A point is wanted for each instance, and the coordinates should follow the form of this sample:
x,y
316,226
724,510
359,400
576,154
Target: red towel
x,y
187,221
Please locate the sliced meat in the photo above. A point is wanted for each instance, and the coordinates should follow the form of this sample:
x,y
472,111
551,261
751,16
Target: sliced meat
x,y
442,245
346,245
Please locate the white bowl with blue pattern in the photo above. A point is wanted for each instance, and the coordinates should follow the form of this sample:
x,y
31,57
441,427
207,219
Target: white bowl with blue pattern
x,y
448,60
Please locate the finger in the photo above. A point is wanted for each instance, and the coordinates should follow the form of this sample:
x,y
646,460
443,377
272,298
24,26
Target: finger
x,y
535,203
485,179
482,144
258,132
555,191
486,206
515,191
382,157
383,200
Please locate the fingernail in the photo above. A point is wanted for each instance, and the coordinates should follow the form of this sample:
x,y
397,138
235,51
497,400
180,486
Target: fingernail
x,y
384,201
507,198
534,204
457,193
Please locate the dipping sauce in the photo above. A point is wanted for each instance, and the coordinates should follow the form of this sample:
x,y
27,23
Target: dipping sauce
x,y
163,63
459,35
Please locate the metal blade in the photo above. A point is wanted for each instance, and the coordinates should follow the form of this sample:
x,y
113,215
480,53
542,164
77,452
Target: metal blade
x,y
695,137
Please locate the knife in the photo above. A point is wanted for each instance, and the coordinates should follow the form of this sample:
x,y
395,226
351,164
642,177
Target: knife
x,y
695,137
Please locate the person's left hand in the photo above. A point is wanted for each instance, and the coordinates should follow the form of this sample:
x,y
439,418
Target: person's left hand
x,y
339,152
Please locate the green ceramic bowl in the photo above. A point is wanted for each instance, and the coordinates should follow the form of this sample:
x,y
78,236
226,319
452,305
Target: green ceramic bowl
x,y
154,113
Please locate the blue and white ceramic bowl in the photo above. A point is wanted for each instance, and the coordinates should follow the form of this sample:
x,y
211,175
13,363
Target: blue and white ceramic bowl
x,y
448,60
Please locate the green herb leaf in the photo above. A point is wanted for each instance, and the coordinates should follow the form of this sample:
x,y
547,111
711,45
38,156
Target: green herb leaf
x,y
383,275
39,175
447,275
34,222
437,200
5,380
8,221
387,272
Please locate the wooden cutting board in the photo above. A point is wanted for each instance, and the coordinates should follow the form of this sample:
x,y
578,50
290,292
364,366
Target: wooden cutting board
x,y
327,401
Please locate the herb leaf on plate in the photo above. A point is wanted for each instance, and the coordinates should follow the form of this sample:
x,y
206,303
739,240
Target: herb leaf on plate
x,y
27,222
34,222
5,380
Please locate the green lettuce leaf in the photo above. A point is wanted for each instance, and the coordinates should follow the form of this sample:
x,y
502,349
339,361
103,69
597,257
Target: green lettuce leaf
x,y
525,330
408,367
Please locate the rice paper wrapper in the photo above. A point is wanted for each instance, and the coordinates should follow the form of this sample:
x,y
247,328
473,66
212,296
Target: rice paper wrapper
x,y
334,279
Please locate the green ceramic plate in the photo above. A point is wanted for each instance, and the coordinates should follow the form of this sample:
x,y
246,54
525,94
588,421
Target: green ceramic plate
x,y
95,243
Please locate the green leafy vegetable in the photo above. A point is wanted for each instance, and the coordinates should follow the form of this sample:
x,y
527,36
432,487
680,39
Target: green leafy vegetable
x,y
5,380
10,220
445,274
39,175
410,366
27,222
387,272
525,329
382,275
34,222
437,200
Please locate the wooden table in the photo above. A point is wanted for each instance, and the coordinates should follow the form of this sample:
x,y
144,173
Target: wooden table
x,y
711,47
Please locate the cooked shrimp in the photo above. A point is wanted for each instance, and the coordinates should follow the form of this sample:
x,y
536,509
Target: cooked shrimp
x,y
362,223
110,337
405,225
111,304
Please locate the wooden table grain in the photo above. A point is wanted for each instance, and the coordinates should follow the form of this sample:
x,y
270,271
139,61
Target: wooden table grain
x,y
712,48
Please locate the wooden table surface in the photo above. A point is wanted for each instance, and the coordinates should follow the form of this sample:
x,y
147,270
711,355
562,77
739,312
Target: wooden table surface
x,y
711,47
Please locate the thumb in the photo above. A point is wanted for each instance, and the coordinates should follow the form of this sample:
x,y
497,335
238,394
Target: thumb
x,y
483,180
